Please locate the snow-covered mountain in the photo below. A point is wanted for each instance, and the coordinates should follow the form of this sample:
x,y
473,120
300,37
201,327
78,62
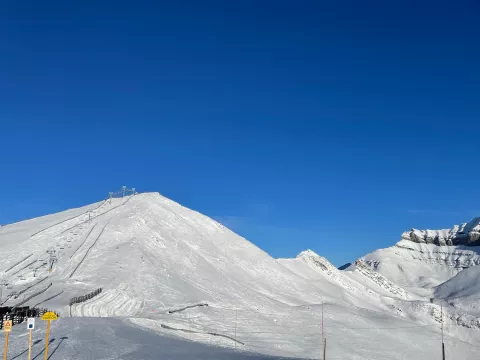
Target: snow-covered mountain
x,y
464,234
424,259
439,265
171,270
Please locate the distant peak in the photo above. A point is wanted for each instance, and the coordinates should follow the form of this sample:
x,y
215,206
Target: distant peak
x,y
308,253
464,234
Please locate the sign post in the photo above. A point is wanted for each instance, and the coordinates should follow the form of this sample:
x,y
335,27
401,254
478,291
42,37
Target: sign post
x,y
7,328
30,327
48,316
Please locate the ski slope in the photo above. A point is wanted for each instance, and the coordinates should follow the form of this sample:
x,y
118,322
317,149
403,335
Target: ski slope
x,y
172,271
102,339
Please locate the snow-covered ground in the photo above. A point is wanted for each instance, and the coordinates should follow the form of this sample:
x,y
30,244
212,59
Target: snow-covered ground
x,y
108,338
152,257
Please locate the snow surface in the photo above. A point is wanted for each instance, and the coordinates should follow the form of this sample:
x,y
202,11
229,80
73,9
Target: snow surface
x,y
152,257
463,292
465,283
108,338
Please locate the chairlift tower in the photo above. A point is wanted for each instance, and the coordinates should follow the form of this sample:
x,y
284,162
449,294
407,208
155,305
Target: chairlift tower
x,y
124,188
53,258
110,194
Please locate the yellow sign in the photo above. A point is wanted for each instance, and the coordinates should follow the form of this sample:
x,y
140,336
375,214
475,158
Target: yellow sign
x,y
7,325
49,316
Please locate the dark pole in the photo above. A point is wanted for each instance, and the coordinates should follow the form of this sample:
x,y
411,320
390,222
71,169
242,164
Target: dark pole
x,y
443,344
325,349
323,335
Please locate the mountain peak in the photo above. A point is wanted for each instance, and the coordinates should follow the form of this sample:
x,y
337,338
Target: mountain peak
x,y
316,261
465,234
307,253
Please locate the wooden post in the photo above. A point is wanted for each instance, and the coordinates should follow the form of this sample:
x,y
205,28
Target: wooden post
x,y
5,349
30,345
45,356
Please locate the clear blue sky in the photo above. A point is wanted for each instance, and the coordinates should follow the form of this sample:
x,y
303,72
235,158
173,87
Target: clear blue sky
x,y
330,125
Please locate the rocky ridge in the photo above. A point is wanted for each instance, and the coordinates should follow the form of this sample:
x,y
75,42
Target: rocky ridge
x,y
467,234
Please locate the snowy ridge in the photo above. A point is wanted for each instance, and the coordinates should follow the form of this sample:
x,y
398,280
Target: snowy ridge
x,y
380,280
464,234
310,265
452,256
317,261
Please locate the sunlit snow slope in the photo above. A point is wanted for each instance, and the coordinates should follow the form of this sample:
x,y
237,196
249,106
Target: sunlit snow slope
x,y
172,270
439,265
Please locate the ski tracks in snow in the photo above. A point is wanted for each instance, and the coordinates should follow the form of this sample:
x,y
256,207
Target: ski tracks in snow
x,y
18,263
67,220
109,303
86,238
88,250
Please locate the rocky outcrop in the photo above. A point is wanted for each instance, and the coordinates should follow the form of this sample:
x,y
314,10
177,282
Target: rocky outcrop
x,y
467,234
311,258
453,257
323,266
363,268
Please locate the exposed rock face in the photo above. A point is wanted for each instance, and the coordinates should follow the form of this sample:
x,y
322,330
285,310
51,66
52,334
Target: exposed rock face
x,y
365,269
452,257
466,234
